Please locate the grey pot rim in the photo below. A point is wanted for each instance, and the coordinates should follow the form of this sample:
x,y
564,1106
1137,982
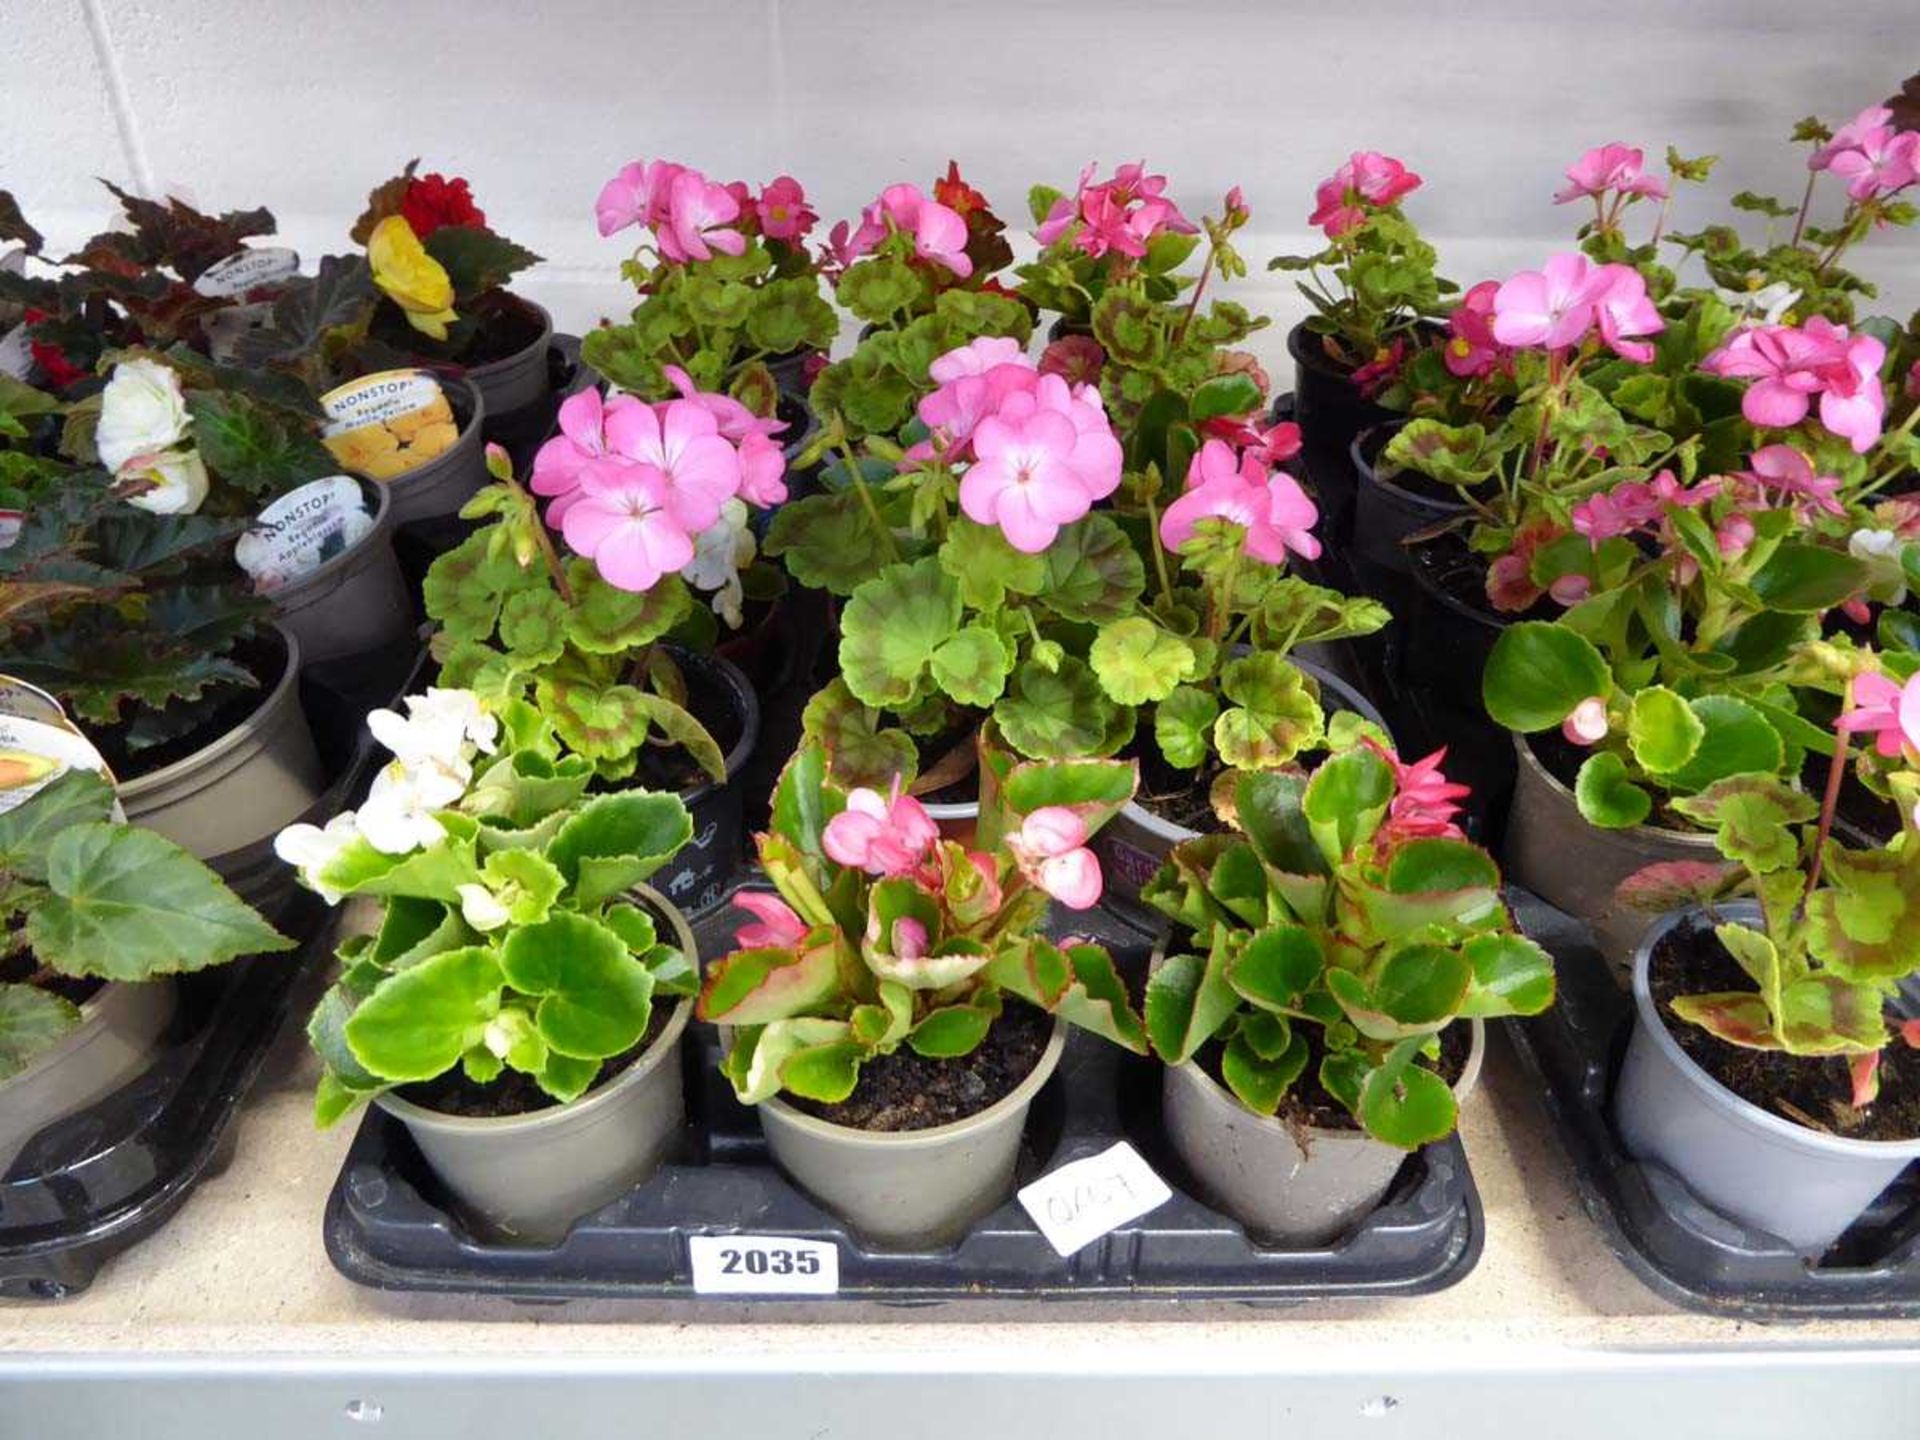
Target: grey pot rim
x,y
1365,469
796,437
382,524
519,357
1176,834
240,734
1737,1108
901,1141
665,1045
1634,837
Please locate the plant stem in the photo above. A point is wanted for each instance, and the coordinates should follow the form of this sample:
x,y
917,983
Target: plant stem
x,y
866,496
1199,288
1806,207
1836,772
555,571
1159,551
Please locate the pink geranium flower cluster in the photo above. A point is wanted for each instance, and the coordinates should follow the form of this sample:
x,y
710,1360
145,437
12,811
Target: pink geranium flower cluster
x,y
1117,216
1870,155
633,485
1558,305
692,217
1611,169
1368,181
1269,506
1038,450
939,232
1790,365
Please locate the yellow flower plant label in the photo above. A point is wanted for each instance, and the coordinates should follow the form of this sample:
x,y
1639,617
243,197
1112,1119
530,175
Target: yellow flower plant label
x,y
384,425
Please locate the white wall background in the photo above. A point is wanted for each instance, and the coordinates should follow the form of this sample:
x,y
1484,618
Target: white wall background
x,y
302,105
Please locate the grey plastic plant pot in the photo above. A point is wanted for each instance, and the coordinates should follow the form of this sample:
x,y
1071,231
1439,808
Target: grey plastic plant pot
x,y
1257,1169
914,1189
355,602
1135,843
525,1179
243,787
520,379
112,1045
446,482
697,879
1576,867
1802,1185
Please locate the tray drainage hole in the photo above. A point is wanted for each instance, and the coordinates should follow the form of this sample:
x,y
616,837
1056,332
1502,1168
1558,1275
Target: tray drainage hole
x,y
367,1412
1378,1406
370,1191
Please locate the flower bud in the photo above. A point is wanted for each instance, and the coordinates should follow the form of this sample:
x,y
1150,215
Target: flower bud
x,y
1587,725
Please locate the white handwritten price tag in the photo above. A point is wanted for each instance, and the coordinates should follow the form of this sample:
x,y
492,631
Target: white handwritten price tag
x,y
763,1265
1078,1203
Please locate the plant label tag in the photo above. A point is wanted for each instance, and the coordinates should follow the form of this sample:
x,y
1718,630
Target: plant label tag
x,y
763,1265
245,270
38,744
384,425
16,353
302,530
1085,1199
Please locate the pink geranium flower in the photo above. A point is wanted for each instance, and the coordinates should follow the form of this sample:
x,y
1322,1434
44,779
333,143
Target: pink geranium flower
x,y
1611,168
1624,311
1888,711
623,519
1027,477
1790,365
1367,179
1273,510
1050,848
763,471
881,835
1551,306
1119,215
735,420
681,439
638,195
698,212
1870,155
1471,349
939,233
783,210
561,461
1783,469
977,358
777,925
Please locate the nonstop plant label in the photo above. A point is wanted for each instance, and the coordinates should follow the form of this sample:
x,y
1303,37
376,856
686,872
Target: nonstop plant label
x,y
247,270
38,744
384,425
302,530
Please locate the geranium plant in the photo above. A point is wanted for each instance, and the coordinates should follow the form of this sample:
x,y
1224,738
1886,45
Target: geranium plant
x,y
1343,920
1374,286
1840,927
919,270
649,498
509,937
881,934
727,283
86,899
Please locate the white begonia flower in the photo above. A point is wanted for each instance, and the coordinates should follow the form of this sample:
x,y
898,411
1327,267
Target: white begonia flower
x,y
443,726
720,552
481,908
142,412
176,480
398,814
1764,306
309,849
1882,551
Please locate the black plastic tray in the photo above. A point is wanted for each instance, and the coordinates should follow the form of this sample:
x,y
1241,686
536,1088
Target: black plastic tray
x,y
388,1226
99,1181
1680,1246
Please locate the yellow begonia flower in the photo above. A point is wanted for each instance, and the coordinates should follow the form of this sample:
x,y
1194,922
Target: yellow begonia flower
x,y
410,277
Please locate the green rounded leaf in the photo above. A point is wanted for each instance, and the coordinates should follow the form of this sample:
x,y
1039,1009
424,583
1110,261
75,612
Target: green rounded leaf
x,y
891,628
1512,975
1538,672
971,666
1183,726
1278,965
1736,739
1138,662
1662,730
1405,1104
614,841
1605,792
1805,579
595,997
1094,574
1060,714
950,1031
417,1024
606,620
1260,1083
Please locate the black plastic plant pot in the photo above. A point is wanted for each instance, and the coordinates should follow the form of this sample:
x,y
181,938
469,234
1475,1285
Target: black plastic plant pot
x,y
1673,1240
388,1225
697,879
1331,413
101,1179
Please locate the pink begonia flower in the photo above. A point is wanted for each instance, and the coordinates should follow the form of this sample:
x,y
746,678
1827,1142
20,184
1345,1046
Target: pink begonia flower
x,y
1273,510
1571,589
1471,349
1586,723
1424,801
1888,711
638,195
1367,179
1734,535
1791,365
697,213
881,835
1550,307
1381,371
622,519
561,461
682,440
783,210
977,358
1028,479
776,927
1783,468
1624,311
1873,157
1607,168
1050,848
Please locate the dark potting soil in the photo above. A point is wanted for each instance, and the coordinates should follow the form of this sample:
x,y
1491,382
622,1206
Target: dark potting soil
x,y
669,767
1308,1103
231,704
506,327
22,968
932,750
1811,1091
1456,570
905,1091
516,1093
